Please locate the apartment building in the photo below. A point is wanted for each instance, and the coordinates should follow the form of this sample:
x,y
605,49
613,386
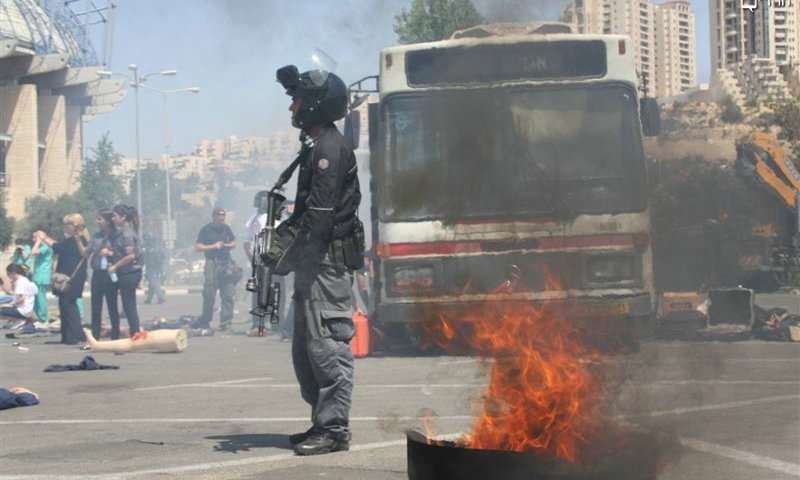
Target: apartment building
x,y
769,30
676,64
663,36
758,45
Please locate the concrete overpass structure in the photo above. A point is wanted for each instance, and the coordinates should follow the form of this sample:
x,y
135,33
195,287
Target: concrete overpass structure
x,y
49,86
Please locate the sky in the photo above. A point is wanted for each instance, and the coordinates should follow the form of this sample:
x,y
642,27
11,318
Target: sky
x,y
231,49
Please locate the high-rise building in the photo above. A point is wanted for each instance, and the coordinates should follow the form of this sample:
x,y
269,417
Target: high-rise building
x,y
663,37
770,30
755,44
676,65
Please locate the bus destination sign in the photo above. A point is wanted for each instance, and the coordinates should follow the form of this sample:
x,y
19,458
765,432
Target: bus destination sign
x,y
542,60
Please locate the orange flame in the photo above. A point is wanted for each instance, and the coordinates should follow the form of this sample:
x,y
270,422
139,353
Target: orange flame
x,y
545,392
427,422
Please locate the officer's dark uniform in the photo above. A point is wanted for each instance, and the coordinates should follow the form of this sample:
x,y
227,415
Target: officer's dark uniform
x,y
327,247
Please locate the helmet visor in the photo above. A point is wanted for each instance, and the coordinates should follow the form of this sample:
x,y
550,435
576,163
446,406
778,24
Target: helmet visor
x,y
321,65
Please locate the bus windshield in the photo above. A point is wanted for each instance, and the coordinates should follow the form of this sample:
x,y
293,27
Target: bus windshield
x,y
512,152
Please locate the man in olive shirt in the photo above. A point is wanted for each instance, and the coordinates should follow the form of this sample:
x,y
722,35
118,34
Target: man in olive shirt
x,y
216,240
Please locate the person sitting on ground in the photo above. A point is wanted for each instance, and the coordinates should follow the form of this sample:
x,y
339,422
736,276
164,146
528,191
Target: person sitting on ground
x,y
6,292
21,307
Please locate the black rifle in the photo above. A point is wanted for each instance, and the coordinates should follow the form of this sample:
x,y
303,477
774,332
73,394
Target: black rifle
x,y
269,294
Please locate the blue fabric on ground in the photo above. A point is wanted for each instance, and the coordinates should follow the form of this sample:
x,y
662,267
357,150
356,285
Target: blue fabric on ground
x,y
9,399
88,363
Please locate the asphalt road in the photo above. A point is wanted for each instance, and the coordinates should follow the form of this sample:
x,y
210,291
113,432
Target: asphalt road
x,y
222,409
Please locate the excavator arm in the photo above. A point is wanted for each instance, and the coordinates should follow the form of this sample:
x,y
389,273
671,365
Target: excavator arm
x,y
760,158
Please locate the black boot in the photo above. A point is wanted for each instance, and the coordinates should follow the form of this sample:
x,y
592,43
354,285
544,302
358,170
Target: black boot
x,y
318,444
301,437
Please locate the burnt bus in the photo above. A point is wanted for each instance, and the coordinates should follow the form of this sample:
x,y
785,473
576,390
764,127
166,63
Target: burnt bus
x,y
510,168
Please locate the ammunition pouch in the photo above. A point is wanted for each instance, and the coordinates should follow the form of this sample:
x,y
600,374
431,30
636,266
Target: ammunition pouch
x,y
349,250
278,256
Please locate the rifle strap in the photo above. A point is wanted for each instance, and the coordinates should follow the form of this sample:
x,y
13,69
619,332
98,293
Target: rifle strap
x,y
284,177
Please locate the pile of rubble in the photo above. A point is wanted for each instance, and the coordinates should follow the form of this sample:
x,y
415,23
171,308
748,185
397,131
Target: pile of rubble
x,y
728,314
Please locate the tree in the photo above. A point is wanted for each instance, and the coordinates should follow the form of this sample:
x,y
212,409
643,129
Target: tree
x,y
431,20
48,213
731,113
6,223
787,116
99,187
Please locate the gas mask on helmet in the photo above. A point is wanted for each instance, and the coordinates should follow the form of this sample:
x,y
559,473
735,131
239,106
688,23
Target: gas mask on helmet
x,y
322,95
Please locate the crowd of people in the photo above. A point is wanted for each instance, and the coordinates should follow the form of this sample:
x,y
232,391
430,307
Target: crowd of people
x,y
114,263
114,256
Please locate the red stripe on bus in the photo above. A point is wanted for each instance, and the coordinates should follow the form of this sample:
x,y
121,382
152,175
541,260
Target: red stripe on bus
x,y
428,248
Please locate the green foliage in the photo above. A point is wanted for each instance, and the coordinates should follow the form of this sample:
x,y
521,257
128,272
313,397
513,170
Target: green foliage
x,y
6,223
751,103
48,213
702,217
99,187
731,113
693,190
431,20
787,116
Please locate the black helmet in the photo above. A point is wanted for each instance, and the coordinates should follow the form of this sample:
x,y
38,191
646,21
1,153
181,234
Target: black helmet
x,y
323,95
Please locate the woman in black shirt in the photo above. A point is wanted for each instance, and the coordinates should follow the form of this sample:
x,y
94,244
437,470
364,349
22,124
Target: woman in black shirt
x,y
125,268
70,262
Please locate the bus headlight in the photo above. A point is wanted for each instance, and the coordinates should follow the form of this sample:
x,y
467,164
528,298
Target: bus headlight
x,y
610,269
412,278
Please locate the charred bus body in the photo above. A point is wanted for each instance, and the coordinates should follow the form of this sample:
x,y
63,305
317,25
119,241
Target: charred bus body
x,y
510,168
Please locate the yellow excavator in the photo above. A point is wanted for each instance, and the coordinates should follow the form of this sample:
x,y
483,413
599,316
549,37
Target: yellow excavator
x,y
764,163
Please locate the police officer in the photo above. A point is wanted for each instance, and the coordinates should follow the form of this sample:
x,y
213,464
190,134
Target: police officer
x,y
323,243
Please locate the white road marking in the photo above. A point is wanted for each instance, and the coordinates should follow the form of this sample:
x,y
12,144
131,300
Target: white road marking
x,y
238,384
729,360
207,384
216,420
459,362
715,406
294,385
742,456
718,382
201,466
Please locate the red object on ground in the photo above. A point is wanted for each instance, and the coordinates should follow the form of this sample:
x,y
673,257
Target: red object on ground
x,y
360,342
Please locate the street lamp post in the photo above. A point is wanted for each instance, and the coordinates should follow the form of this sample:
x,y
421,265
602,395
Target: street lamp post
x,y
136,82
169,229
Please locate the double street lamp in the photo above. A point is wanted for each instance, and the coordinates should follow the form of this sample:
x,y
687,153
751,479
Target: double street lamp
x,y
138,81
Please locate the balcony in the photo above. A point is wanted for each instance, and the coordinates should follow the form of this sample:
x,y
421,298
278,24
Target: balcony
x,y
3,180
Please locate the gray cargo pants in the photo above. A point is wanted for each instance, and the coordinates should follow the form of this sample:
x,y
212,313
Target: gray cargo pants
x,y
323,361
213,280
